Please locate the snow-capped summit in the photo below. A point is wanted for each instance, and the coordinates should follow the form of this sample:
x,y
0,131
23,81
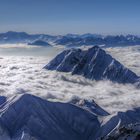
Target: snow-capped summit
x,y
94,64
91,106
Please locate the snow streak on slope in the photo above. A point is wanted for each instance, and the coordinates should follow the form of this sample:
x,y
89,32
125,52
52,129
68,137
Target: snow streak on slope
x,y
27,117
93,63
24,74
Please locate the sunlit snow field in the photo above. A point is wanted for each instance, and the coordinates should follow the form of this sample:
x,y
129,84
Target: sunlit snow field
x,y
21,71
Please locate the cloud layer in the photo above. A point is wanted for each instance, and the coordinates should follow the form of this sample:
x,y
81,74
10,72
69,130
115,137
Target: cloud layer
x,y
24,74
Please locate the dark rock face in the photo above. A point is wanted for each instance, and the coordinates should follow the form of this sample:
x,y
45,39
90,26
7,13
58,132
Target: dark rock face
x,y
126,132
94,64
120,126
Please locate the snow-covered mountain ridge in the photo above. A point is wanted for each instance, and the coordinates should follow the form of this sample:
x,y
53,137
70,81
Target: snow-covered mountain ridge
x,y
46,120
94,64
27,117
70,40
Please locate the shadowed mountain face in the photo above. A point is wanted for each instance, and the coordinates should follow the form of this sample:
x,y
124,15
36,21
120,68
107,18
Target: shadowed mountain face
x,y
2,100
26,117
44,120
94,64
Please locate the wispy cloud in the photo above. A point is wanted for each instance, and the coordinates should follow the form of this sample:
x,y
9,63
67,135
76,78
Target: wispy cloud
x,y
24,74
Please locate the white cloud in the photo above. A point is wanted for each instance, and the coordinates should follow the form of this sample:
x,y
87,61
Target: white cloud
x,y
20,74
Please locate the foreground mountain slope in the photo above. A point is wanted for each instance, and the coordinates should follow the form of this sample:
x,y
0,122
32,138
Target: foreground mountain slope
x,y
94,64
27,117
123,125
44,120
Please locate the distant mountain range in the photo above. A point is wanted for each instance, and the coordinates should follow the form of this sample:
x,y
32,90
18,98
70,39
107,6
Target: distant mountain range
x,y
22,37
94,64
70,40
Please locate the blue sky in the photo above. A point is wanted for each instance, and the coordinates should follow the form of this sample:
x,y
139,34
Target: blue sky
x,y
70,16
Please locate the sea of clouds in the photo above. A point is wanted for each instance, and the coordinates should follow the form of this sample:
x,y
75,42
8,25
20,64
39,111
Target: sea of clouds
x,y
20,74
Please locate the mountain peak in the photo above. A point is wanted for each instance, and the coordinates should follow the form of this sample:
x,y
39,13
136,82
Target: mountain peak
x,y
94,64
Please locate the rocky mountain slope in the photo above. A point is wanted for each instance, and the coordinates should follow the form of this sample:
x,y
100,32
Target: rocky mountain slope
x,y
27,117
94,64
